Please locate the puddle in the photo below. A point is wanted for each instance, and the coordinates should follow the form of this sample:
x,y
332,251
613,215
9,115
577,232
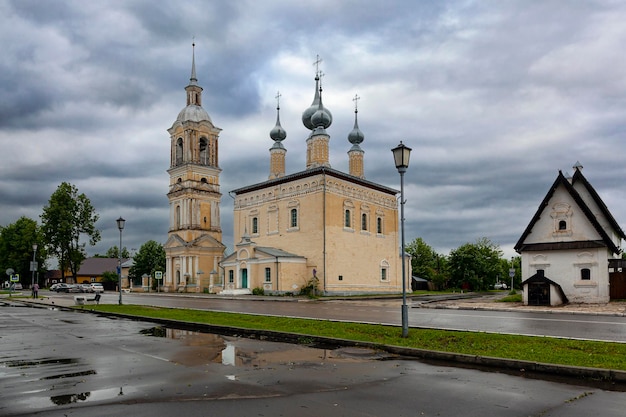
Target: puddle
x,y
204,348
38,362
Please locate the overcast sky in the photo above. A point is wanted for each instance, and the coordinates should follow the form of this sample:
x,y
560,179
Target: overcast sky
x,y
494,97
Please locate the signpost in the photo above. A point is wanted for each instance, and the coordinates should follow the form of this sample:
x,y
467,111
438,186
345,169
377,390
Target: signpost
x,y
158,275
512,274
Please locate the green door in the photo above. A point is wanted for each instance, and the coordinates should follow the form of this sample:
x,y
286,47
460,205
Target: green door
x,y
244,278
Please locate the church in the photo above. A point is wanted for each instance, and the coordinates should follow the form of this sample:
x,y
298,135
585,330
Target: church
x,y
319,227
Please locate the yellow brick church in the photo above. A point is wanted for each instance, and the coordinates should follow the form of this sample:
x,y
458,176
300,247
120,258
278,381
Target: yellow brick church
x,y
319,225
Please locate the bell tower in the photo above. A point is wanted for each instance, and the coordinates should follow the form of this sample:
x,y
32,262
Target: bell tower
x,y
194,245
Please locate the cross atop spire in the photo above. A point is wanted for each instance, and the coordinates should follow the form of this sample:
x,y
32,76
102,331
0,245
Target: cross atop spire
x,y
317,63
356,102
278,96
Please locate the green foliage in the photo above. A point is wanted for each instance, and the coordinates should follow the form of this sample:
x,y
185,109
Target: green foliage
x,y
258,291
426,263
475,264
149,258
110,276
16,248
310,289
112,252
68,217
511,298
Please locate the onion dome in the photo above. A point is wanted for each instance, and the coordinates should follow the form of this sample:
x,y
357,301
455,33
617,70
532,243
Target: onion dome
x,y
315,106
356,137
278,134
322,116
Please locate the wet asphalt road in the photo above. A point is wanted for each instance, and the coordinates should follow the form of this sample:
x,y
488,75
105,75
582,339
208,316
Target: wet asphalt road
x,y
576,326
58,363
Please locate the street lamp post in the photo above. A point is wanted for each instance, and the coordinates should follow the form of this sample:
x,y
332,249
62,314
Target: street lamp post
x,y
120,226
33,267
401,154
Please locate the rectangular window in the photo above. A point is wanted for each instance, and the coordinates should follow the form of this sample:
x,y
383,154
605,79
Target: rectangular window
x,y
585,274
379,225
231,276
268,275
383,274
346,222
364,221
255,225
340,277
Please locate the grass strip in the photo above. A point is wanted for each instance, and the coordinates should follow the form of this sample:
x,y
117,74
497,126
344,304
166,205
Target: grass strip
x,y
578,353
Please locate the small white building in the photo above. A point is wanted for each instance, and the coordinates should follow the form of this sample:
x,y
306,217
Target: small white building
x,y
571,248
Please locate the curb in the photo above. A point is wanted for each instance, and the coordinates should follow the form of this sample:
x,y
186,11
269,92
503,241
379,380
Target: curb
x,y
607,379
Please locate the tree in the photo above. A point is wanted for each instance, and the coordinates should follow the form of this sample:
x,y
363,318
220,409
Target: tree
x,y
68,217
475,264
150,258
16,248
423,258
112,252
426,263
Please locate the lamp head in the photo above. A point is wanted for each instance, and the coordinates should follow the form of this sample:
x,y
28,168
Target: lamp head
x,y
401,155
120,223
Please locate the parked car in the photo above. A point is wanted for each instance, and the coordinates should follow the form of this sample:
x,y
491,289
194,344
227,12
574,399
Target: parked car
x,y
54,287
17,286
499,286
97,287
61,287
85,288
75,288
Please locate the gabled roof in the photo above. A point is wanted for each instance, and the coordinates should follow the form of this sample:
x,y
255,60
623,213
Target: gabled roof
x,y
315,171
97,266
562,181
275,252
279,253
578,176
539,277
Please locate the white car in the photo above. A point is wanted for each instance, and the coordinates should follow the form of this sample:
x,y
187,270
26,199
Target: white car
x,y
97,287
499,286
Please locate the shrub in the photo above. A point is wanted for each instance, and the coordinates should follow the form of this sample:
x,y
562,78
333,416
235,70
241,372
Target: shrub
x,y
258,291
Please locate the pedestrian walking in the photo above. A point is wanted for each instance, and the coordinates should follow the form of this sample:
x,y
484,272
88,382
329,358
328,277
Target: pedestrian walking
x,y
36,290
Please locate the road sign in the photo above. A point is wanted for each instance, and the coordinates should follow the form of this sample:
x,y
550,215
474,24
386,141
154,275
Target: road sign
x,y
15,278
33,266
512,272
158,275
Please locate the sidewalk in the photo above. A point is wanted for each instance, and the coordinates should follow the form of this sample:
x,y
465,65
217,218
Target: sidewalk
x,y
614,308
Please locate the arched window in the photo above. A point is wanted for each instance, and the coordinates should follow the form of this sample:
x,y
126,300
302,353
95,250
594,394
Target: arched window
x,y
585,274
179,151
294,217
204,158
384,269
562,225
346,221
364,221
177,215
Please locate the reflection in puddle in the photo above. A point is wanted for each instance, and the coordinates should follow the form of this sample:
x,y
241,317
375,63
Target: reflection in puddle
x,y
69,398
204,348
